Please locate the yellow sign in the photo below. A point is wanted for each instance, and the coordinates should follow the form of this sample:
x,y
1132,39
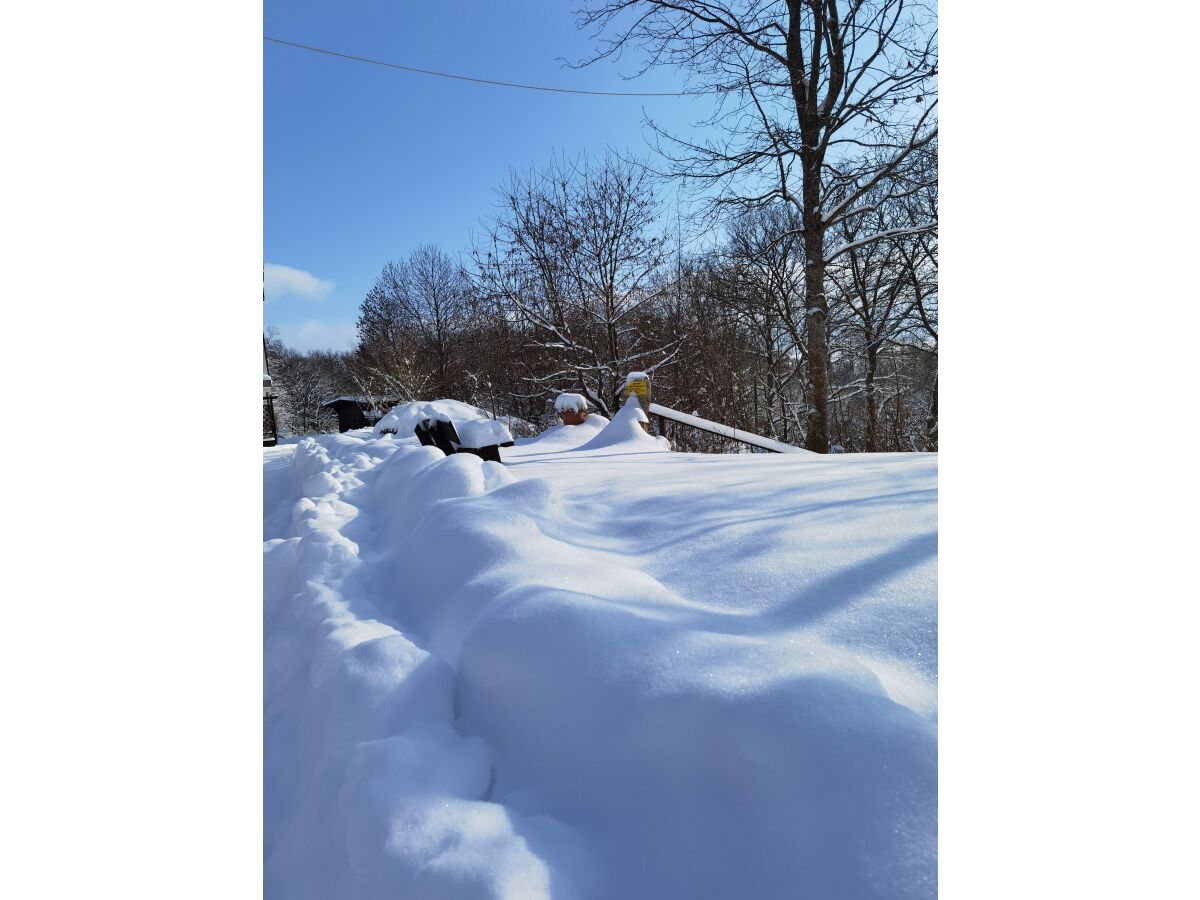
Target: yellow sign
x,y
637,384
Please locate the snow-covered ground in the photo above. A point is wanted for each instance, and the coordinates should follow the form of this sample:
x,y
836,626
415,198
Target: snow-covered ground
x,y
600,670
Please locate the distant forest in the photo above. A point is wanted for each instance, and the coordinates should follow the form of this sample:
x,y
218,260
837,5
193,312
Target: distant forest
x,y
798,300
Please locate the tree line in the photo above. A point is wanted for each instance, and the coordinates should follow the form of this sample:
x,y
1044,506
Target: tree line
x,y
806,310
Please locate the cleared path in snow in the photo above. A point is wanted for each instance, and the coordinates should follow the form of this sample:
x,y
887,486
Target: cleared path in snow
x,y
277,494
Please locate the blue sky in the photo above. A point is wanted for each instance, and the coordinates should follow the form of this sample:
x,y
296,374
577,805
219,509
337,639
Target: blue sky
x,y
362,163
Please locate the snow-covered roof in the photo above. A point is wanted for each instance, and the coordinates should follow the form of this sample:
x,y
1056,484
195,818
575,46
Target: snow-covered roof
x,y
356,399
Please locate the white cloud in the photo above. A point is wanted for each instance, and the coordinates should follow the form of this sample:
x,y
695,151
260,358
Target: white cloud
x,y
314,335
280,281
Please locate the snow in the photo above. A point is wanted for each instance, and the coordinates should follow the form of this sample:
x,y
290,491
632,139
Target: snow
x,y
481,433
404,418
599,670
717,428
475,428
625,431
569,402
564,437
636,376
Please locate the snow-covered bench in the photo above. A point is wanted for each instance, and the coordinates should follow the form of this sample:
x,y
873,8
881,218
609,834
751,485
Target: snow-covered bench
x,y
482,437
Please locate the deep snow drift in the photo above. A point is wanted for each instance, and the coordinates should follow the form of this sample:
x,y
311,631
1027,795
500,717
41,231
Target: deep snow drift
x,y
625,432
600,670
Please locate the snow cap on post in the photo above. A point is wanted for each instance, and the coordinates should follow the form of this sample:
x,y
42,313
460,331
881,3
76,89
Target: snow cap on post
x,y
637,384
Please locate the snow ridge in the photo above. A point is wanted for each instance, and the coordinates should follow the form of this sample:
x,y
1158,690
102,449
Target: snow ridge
x,y
369,787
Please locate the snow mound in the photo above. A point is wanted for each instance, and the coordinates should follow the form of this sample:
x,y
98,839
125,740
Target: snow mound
x,y
422,824
404,418
566,437
625,430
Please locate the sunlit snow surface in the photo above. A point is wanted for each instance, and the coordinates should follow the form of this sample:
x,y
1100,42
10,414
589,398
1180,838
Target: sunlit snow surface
x,y
612,672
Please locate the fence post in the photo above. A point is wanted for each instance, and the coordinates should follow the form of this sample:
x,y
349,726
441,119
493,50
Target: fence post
x,y
637,384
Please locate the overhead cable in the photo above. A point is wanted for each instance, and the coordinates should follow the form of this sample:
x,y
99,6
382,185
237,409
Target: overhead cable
x,y
511,84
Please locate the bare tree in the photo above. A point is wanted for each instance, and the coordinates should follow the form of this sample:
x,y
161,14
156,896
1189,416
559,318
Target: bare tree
x,y
416,316
436,298
873,286
387,361
766,258
574,254
919,255
821,100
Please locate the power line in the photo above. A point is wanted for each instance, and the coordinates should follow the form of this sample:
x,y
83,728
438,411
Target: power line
x,y
511,84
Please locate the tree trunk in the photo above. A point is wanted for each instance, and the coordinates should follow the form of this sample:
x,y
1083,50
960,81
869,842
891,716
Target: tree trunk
x,y
804,95
931,423
817,313
872,407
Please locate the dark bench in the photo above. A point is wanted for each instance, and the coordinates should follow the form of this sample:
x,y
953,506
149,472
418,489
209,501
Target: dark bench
x,y
442,434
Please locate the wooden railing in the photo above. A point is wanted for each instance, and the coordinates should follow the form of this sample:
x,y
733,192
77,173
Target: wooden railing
x,y
734,434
